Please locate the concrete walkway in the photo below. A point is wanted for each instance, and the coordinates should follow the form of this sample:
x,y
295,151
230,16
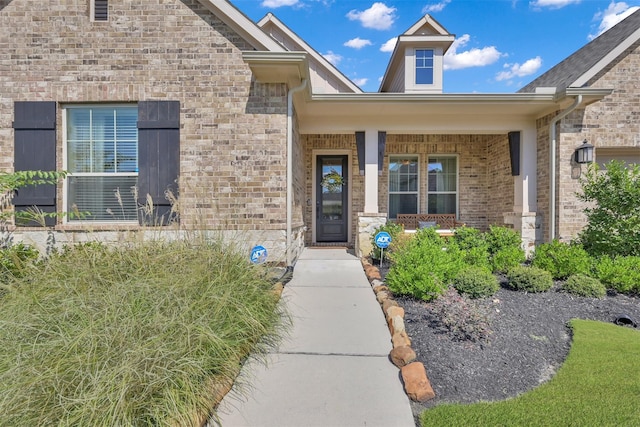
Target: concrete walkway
x,y
333,369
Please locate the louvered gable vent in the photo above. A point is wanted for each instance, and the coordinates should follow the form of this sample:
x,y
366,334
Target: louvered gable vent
x,y
100,10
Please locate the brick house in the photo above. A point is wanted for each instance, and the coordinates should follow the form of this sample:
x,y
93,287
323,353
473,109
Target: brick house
x,y
258,137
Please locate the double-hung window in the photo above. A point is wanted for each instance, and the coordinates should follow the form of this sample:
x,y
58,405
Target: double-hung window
x,y
403,185
102,161
424,66
442,185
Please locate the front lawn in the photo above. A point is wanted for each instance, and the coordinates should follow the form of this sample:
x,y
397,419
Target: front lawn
x,y
598,385
135,335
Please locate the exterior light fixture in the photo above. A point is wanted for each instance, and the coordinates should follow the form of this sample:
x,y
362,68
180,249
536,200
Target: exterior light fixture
x,y
584,153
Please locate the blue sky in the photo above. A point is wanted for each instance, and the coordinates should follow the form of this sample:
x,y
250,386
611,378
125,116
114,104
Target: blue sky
x,y
500,46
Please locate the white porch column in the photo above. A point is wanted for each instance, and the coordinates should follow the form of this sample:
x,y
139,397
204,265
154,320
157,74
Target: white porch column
x,y
525,184
371,171
524,218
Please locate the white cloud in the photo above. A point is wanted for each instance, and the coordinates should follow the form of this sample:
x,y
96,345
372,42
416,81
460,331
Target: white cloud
x,y
553,4
436,7
615,13
529,67
454,60
378,17
274,4
334,58
389,45
361,82
358,43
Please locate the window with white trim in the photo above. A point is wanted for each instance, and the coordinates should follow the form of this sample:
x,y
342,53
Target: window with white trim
x,y
403,185
442,185
424,66
102,161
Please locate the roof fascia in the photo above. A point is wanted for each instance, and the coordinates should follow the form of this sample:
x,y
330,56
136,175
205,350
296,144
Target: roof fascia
x,y
607,59
278,67
426,19
241,24
271,18
589,95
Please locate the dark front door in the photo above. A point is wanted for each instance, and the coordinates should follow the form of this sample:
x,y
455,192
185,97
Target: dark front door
x,y
331,199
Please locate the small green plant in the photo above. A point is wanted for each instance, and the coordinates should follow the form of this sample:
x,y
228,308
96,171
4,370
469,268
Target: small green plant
x,y
424,266
476,282
394,231
460,317
15,259
584,286
562,259
621,273
529,279
473,245
505,248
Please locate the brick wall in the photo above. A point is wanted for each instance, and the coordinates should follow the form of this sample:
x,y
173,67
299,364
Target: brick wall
x,y
613,122
233,130
483,164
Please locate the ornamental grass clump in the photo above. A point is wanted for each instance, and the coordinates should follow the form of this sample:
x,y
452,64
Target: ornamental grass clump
x,y
135,335
584,286
529,279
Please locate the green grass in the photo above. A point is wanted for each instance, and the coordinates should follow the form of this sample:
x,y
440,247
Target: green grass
x,y
598,385
130,336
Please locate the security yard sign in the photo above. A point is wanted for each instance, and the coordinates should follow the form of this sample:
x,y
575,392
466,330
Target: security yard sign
x,y
258,254
383,240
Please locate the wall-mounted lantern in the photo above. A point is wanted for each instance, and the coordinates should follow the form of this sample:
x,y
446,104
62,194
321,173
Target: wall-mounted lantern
x,y
584,153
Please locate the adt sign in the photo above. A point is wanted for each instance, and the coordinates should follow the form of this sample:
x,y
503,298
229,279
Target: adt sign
x,y
258,254
383,239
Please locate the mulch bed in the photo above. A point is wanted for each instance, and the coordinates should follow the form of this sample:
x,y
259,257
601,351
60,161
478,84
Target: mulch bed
x,y
529,341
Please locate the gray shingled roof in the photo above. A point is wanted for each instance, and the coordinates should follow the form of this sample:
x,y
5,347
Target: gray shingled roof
x,y
569,70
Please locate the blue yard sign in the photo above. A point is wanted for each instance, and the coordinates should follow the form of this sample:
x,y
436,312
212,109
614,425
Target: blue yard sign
x,y
258,254
383,239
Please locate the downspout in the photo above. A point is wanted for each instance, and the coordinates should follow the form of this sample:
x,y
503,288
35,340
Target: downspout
x,y
290,170
552,161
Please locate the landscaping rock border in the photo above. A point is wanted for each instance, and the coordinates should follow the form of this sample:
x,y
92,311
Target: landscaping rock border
x,y
413,373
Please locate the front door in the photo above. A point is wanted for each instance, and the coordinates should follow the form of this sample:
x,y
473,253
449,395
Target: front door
x,y
331,198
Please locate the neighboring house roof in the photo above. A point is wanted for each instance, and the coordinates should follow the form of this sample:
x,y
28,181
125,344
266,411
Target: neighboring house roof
x,y
245,27
585,63
325,70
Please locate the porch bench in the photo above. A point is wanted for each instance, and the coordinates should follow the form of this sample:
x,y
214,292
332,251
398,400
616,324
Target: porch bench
x,y
446,223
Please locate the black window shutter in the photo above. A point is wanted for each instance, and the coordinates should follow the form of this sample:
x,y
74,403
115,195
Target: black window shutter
x,y
34,130
100,10
158,158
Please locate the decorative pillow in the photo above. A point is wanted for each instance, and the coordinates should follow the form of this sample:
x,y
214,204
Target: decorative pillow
x,y
426,224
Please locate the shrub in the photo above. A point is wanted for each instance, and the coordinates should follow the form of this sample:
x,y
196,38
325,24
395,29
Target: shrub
x,y
529,279
394,231
562,259
620,273
613,217
424,267
476,282
584,286
462,319
505,248
15,259
473,246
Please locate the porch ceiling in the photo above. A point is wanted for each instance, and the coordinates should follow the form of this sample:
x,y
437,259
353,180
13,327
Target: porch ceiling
x,y
419,113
